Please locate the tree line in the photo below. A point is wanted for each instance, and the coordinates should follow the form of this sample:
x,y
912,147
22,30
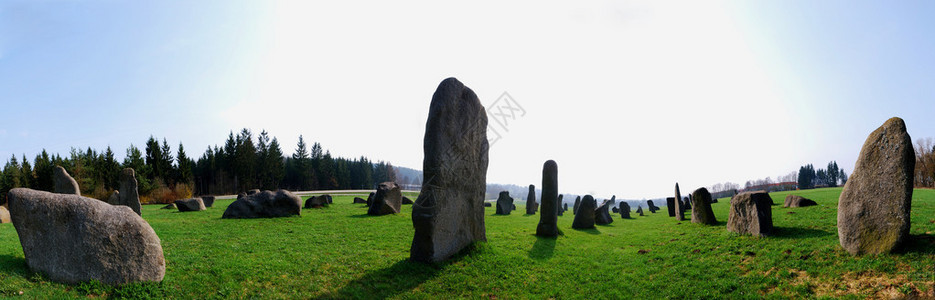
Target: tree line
x,y
925,163
810,178
244,162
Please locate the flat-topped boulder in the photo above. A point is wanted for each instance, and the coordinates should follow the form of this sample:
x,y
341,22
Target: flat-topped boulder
x,y
73,239
750,213
584,219
266,204
316,202
505,203
64,183
387,200
359,200
876,202
190,204
797,201
701,211
448,214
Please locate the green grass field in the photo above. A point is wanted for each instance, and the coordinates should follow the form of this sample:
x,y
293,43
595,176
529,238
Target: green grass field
x,y
340,252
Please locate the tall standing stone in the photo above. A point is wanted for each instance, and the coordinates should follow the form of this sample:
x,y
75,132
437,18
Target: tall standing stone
x,y
679,210
561,207
388,200
624,210
504,203
448,215
670,206
750,213
584,219
577,203
701,210
874,207
64,183
639,210
73,239
548,217
129,194
652,206
531,205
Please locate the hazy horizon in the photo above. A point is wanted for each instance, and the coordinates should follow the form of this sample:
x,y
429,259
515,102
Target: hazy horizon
x,y
628,98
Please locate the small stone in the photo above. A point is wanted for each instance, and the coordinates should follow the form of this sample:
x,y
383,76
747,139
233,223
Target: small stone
x,y
64,183
504,203
190,204
750,213
388,200
266,204
208,200
584,219
797,201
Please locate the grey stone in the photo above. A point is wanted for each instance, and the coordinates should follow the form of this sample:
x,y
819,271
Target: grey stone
x,y
504,203
797,201
701,211
208,200
624,210
577,203
750,213
63,182
190,204
487,204
584,219
679,210
616,210
875,204
448,215
74,239
562,206
370,199
639,210
602,213
253,192
316,202
388,200
4,214
670,206
266,204
548,218
129,195
359,200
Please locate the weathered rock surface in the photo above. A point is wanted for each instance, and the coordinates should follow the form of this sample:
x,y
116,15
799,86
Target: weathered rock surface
x,y
266,204
190,204
4,214
504,203
548,217
624,210
64,183
670,206
584,219
679,209
114,198
316,202
129,195
208,200
253,191
602,213
74,239
875,204
701,211
750,213
388,200
448,215
797,201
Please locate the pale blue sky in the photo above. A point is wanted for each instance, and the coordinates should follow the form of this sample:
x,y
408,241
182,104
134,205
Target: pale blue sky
x,y
627,97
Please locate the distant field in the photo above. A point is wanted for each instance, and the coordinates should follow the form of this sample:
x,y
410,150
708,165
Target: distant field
x,y
340,252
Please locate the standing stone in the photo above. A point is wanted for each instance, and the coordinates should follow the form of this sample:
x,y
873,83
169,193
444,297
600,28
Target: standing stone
x,y
4,214
504,203
652,206
370,199
531,205
63,182
688,203
208,200
750,213
328,197
266,204
577,203
548,219
602,214
639,209
624,210
359,200
670,206
129,195
562,206
679,210
74,239
875,204
388,200
701,211
190,204
584,219
114,198
797,201
616,210
487,204
448,215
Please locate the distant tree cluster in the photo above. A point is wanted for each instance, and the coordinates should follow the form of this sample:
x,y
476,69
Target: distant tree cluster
x,y
925,163
243,163
810,178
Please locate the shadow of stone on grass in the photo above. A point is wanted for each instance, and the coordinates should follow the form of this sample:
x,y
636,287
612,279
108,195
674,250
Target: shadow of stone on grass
x,y
589,230
543,248
14,264
917,243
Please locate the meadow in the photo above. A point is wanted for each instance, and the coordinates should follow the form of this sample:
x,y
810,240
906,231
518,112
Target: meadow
x,y
341,252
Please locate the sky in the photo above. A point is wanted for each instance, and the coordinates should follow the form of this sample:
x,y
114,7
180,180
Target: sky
x,y
628,97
